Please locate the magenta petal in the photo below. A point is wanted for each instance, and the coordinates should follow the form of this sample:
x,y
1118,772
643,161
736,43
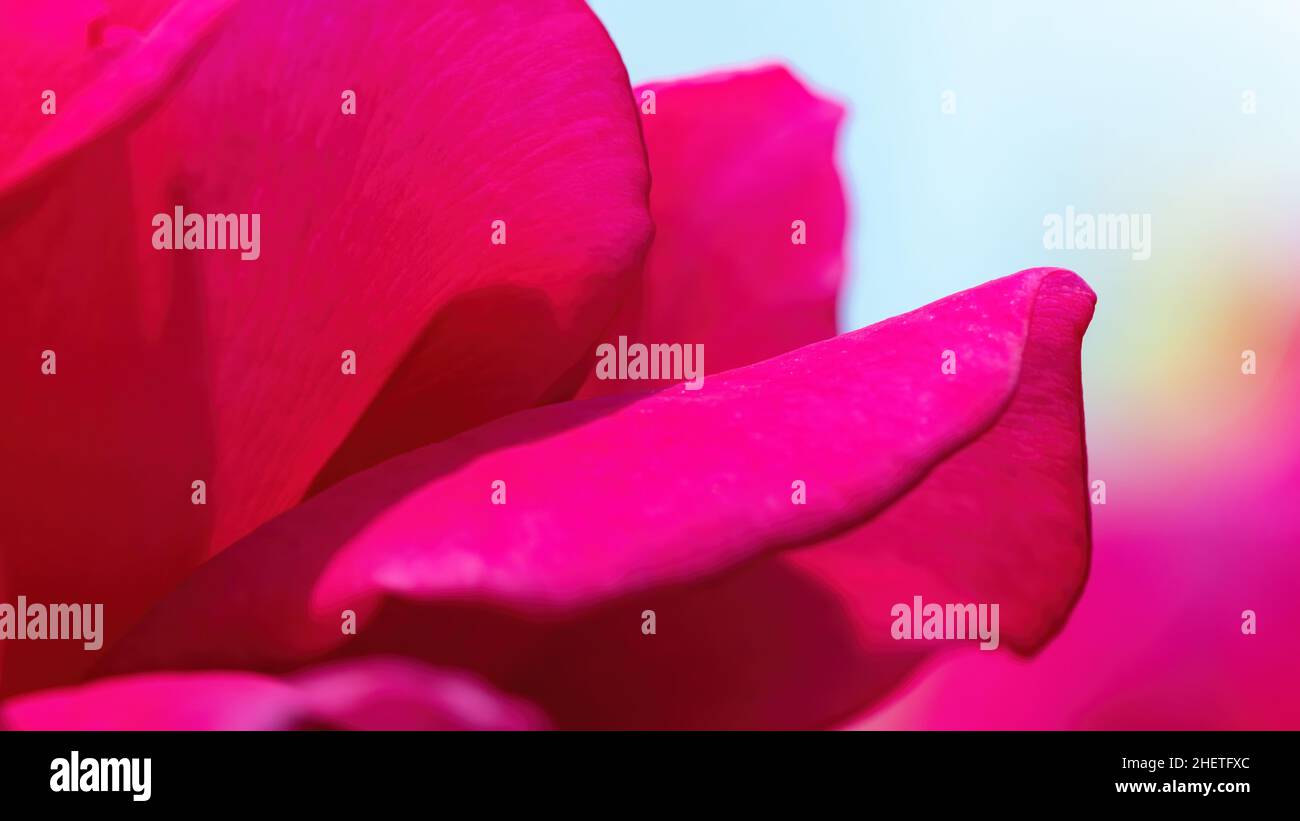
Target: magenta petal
x,y
377,228
736,158
102,63
680,502
368,694
375,238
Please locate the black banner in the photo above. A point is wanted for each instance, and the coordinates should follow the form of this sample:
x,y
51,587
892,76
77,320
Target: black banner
x,y
1220,772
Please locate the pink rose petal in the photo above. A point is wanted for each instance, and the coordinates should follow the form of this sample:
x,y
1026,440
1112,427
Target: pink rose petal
x,y
368,694
735,159
103,63
680,502
177,366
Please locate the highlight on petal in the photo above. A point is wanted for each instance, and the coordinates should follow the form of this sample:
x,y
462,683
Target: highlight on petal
x,y
367,694
374,240
749,215
769,613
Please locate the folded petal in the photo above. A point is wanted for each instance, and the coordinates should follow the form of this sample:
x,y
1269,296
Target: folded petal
x,y
1186,608
681,502
369,694
375,240
736,159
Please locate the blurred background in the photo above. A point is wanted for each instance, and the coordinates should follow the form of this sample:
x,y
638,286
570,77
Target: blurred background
x,y
968,123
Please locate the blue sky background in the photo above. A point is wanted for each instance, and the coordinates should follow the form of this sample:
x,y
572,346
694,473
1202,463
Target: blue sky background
x,y
1128,107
